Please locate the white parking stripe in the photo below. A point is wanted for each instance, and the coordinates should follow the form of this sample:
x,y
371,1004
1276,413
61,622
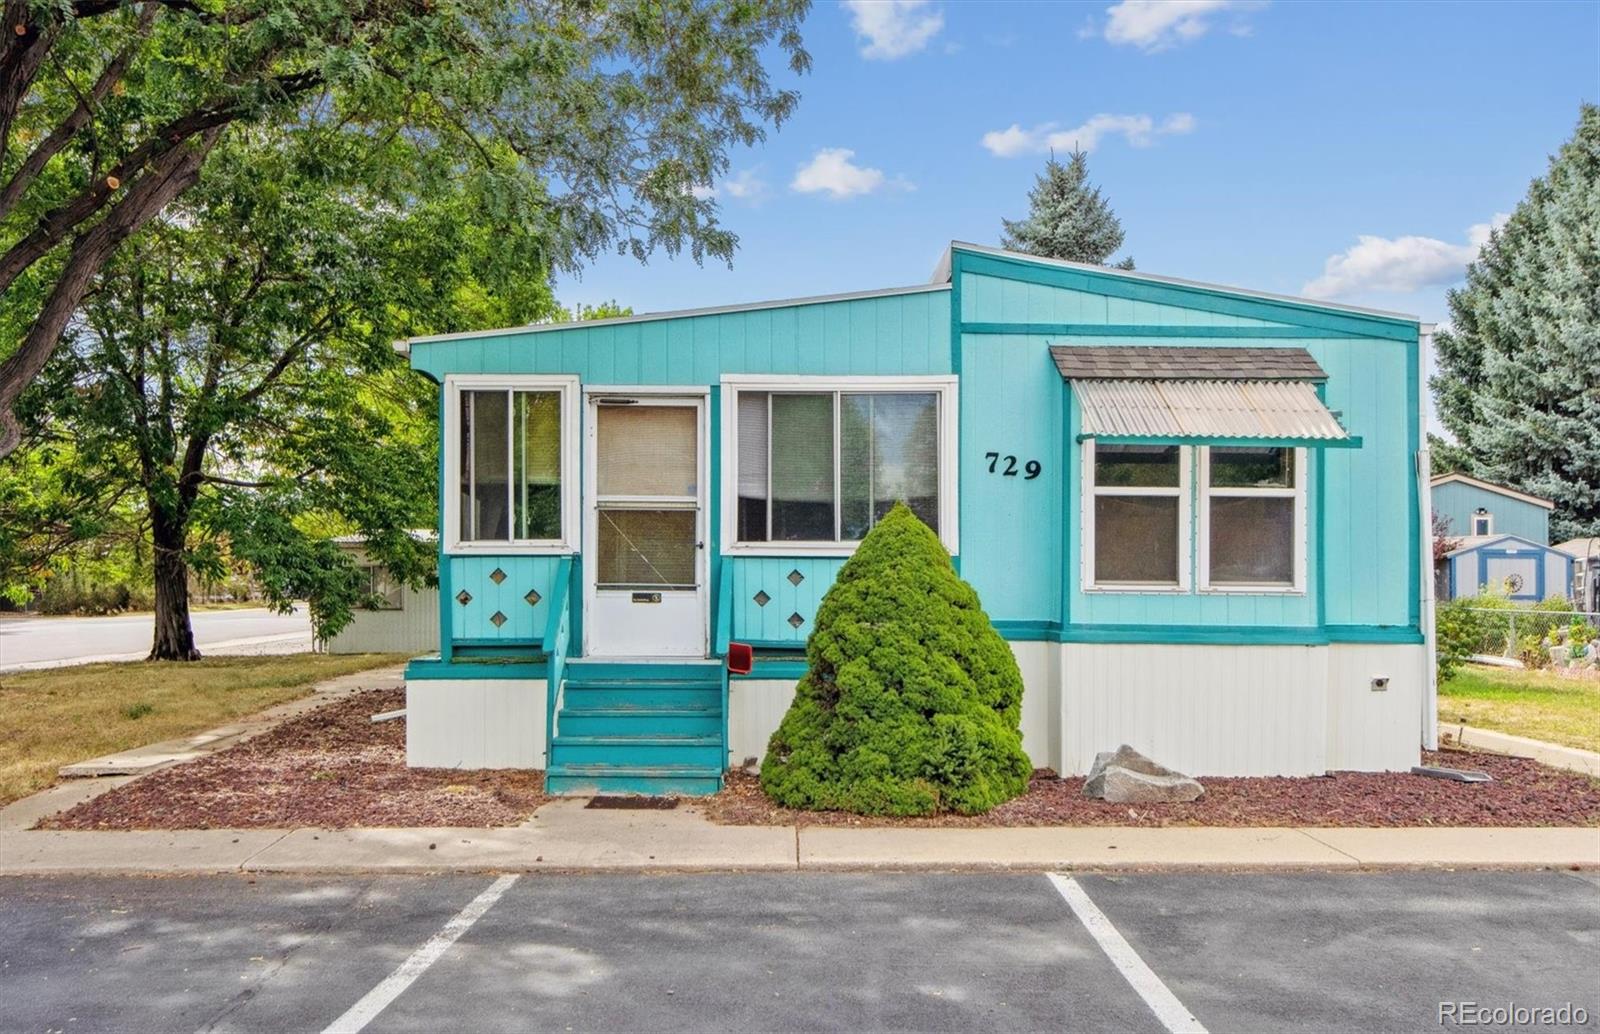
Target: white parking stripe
x,y
378,999
1171,1012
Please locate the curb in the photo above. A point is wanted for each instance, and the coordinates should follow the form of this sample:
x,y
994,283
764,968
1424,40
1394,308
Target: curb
x,y
618,849
1572,759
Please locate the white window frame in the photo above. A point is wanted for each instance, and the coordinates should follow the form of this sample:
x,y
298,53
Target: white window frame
x,y
1297,563
450,441
945,388
1184,493
1488,523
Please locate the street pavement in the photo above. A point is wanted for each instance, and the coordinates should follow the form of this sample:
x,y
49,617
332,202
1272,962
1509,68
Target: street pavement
x,y
42,642
806,951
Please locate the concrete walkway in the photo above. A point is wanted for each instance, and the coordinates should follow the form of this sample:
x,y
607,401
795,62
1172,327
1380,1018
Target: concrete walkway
x,y
1572,759
565,836
141,760
86,780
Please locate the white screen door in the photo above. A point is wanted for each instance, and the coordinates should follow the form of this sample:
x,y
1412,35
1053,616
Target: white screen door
x,y
644,556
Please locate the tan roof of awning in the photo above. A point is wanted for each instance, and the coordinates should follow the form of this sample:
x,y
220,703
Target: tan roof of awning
x,y
1280,410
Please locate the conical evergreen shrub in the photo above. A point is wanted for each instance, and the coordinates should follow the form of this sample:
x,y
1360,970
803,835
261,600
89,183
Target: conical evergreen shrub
x,y
912,702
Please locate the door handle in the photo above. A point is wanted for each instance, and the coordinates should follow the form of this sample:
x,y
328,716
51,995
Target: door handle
x,y
699,545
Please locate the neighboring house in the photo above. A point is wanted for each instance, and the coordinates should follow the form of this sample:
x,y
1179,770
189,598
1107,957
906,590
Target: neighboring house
x,y
1585,555
1474,508
1194,511
1524,571
407,621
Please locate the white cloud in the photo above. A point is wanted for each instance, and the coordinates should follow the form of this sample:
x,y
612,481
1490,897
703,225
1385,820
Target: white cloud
x,y
893,28
745,185
1153,25
830,171
1138,130
1398,265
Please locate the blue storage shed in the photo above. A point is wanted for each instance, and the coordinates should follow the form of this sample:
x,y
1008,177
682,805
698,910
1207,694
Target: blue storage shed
x,y
1471,507
1194,511
1524,571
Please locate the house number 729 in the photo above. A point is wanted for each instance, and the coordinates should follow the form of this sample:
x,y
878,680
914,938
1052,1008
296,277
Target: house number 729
x,y
1006,466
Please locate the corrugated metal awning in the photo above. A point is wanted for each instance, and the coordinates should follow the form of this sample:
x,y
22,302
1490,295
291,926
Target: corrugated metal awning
x,y
1287,411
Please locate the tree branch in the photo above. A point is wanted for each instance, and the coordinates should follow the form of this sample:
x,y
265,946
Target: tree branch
x,y
27,43
57,223
168,176
51,145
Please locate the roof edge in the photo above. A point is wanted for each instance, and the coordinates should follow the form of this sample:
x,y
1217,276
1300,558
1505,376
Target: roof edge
x,y
403,346
943,272
1492,540
1490,486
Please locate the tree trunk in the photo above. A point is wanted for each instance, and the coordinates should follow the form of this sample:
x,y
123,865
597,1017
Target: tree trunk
x,y
174,638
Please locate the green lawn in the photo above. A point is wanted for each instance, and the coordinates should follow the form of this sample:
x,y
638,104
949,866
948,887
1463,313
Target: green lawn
x,y
56,716
1536,704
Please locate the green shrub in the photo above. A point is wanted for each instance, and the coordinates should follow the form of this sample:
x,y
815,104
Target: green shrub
x,y
134,712
1532,651
1456,635
912,701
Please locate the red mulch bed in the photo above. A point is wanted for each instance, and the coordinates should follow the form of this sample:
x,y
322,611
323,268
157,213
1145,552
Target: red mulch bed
x,y
330,768
1523,793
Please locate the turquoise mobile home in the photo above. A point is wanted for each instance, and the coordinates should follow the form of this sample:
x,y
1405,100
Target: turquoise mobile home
x,y
1196,512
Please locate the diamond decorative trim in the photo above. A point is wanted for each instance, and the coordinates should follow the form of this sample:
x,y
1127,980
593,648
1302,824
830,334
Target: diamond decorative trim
x,y
463,597
761,598
533,597
795,577
795,620
497,576
497,619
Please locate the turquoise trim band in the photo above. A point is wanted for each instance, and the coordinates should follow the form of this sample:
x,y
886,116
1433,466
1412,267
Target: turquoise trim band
x,y
1211,635
774,670
425,669
1155,330
1353,442
1374,634
1299,314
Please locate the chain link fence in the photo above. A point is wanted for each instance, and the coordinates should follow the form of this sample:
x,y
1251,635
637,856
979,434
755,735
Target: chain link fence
x,y
1512,632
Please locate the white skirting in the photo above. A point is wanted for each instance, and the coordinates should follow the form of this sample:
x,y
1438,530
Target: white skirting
x,y
475,723
1205,710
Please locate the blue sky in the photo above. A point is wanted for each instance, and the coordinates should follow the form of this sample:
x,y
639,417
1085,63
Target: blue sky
x,y
1349,151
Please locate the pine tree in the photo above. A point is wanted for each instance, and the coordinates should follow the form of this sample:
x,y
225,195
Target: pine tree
x,y
1067,217
1519,368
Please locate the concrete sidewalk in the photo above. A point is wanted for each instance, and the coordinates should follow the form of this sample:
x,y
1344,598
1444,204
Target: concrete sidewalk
x,y
150,757
1573,759
565,836
86,780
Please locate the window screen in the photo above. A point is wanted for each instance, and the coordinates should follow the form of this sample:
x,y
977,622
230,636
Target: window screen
x,y
827,466
510,477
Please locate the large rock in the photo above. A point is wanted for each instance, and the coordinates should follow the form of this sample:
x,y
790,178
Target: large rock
x,y
1126,776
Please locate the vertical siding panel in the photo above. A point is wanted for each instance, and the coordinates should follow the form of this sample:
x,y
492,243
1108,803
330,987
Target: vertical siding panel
x,y
651,367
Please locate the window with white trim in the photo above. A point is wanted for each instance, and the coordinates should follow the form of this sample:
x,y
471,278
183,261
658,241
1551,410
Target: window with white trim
x,y
817,465
388,593
510,459
1252,518
1137,516
1482,522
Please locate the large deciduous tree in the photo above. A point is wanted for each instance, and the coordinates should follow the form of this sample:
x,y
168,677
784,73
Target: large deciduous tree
x,y
231,368
1067,218
595,117
1519,366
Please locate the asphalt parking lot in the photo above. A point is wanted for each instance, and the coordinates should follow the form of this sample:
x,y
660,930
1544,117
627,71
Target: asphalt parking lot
x,y
1247,952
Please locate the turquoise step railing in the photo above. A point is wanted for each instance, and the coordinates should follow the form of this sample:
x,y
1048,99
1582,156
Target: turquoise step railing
x,y
556,636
